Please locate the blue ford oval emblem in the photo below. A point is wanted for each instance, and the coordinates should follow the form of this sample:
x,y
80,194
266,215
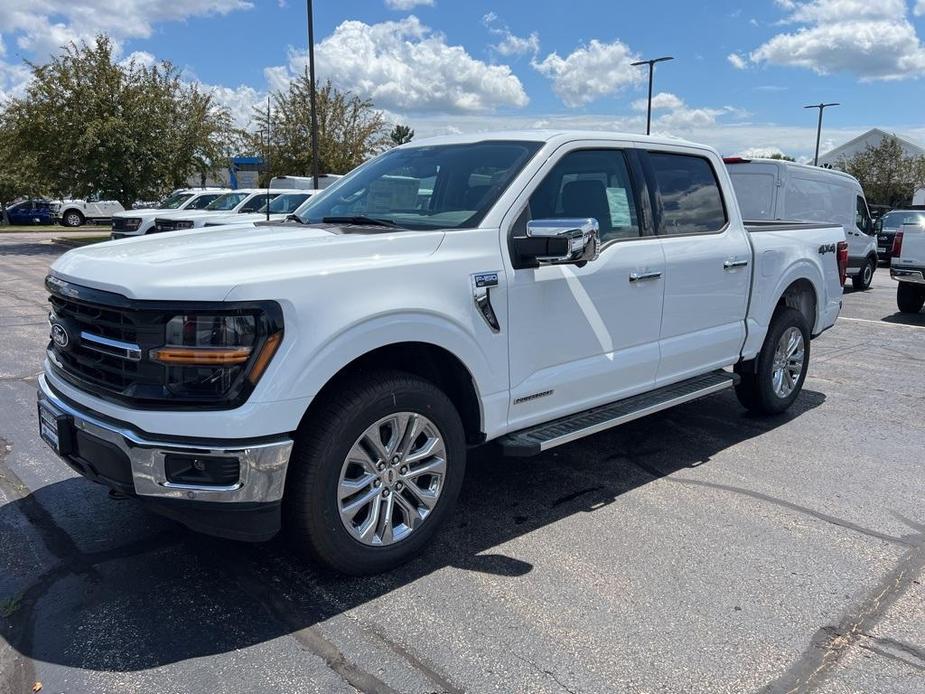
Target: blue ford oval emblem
x,y
59,335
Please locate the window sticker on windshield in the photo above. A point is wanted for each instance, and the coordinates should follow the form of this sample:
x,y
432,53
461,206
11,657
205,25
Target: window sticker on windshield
x,y
390,194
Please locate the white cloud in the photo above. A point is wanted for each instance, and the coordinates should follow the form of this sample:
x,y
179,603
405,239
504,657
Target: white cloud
x,y
737,61
661,101
509,43
404,65
590,72
919,8
407,4
873,40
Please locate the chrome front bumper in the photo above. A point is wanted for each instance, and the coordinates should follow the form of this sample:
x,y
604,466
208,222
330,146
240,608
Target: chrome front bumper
x,y
262,463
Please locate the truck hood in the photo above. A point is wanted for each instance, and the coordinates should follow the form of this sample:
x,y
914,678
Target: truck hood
x,y
246,218
206,264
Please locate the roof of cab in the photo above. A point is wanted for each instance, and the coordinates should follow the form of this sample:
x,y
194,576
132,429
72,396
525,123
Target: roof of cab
x,y
551,136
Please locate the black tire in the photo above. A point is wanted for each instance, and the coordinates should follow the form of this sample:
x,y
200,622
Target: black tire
x,y
861,281
312,515
72,218
756,390
910,297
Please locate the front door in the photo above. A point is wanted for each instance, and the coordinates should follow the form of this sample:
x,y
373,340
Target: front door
x,y
583,336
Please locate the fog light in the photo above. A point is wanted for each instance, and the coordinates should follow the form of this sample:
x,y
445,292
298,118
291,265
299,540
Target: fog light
x,y
202,471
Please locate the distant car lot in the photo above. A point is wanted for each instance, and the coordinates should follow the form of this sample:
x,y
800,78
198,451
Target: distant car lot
x,y
675,553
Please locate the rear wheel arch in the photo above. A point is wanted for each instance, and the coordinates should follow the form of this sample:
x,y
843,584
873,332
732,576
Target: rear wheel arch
x,y
800,295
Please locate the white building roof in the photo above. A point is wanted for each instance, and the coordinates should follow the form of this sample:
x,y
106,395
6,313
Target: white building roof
x,y
873,138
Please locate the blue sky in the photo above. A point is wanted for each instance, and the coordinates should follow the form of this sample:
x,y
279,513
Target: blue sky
x,y
742,71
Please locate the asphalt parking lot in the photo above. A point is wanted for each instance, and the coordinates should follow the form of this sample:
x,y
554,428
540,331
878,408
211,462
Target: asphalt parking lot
x,y
697,550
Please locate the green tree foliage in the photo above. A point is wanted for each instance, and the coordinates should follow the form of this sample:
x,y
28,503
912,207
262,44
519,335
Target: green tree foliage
x,y
401,134
887,175
781,157
350,130
127,131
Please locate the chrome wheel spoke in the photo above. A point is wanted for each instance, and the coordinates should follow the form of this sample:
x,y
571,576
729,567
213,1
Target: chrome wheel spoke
x,y
392,478
789,361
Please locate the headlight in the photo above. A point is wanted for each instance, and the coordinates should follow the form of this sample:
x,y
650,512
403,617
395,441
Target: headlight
x,y
184,224
217,356
132,224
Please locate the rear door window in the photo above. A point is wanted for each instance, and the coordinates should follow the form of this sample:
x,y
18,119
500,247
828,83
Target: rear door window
x,y
691,200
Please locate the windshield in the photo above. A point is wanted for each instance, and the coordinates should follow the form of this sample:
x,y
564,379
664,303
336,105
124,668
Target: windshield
x,y
436,187
202,201
175,200
228,201
284,204
894,220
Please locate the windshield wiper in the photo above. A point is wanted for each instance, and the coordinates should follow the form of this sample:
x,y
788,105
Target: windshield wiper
x,y
360,219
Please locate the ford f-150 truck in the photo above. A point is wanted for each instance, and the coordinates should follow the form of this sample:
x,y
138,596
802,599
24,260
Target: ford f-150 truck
x,y
907,266
326,374
140,222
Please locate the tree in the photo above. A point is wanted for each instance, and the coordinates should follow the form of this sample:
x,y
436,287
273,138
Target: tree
x,y
126,131
781,157
401,134
886,174
350,130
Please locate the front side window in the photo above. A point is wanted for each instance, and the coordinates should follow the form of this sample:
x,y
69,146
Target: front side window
x,y
285,204
862,219
256,202
590,183
691,201
428,187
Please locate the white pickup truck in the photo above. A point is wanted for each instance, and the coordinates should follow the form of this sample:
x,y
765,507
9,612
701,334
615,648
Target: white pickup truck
x,y
75,213
140,222
326,374
907,266
239,201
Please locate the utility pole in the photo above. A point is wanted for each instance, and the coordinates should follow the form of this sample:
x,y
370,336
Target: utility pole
x,y
821,107
651,64
314,106
266,164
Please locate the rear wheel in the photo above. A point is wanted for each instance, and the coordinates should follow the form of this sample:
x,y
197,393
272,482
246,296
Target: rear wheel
x,y
375,473
910,297
72,218
862,280
773,380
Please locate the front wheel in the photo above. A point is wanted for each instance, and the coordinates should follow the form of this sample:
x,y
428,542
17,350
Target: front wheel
x,y
910,297
374,473
72,218
862,280
770,383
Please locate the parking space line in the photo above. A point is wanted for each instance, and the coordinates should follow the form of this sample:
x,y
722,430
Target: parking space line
x,y
883,322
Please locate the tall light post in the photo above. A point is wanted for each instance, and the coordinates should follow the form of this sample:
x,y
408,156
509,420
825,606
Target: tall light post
x,y
821,107
311,77
651,64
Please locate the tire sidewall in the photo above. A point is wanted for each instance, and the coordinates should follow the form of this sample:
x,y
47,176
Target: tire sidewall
x,y
330,538
785,319
69,218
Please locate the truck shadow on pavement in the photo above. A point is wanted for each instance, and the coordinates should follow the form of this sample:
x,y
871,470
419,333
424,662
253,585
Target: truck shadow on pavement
x,y
906,318
167,595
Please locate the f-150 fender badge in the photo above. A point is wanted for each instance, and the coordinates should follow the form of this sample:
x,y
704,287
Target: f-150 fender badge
x,y
482,282
827,248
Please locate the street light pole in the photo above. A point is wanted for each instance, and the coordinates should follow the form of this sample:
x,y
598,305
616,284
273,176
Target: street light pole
x,y
314,106
821,107
651,64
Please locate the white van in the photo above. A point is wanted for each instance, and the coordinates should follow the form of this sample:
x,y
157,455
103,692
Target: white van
x,y
785,190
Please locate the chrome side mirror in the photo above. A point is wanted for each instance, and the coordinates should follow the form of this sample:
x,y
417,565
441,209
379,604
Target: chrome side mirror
x,y
567,240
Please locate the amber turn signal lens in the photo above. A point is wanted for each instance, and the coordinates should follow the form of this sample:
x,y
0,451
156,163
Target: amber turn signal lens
x,y
202,356
263,359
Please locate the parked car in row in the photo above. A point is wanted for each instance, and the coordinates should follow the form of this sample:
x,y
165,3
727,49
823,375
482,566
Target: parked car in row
x,y
75,213
907,266
889,224
30,211
775,189
327,376
239,201
140,222
278,209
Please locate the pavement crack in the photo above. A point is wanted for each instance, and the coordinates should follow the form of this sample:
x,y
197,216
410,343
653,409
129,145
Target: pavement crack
x,y
830,643
544,671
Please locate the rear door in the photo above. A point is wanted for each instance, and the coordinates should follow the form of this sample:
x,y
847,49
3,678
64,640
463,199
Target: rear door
x,y
707,262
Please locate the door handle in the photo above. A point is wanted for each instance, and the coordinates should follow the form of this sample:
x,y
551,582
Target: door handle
x,y
640,276
731,264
